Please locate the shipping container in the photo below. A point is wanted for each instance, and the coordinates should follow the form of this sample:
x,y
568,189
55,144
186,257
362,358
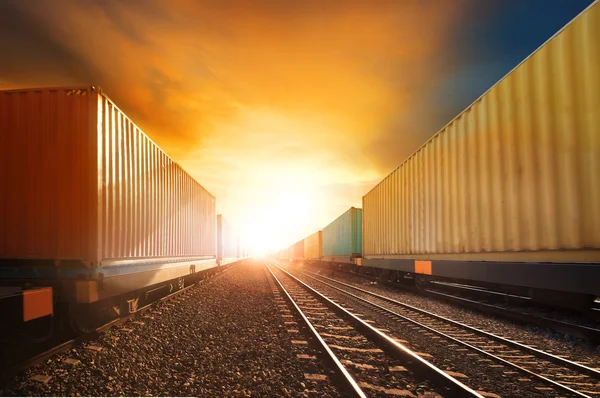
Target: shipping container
x,y
296,251
313,246
83,184
514,177
283,254
228,244
343,237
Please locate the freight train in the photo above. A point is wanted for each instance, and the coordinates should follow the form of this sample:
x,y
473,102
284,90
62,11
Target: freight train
x,y
229,246
95,218
506,194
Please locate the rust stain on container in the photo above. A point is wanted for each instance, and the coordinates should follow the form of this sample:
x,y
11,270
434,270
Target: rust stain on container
x,y
85,183
516,173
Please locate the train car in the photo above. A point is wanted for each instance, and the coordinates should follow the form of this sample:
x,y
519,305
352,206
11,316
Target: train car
x,y
283,254
229,248
243,251
508,192
313,247
95,216
342,238
296,251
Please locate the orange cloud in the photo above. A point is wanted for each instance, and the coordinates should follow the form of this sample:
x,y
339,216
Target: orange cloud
x,y
287,111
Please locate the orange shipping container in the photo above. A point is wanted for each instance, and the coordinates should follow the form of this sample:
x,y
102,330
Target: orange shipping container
x,y
81,182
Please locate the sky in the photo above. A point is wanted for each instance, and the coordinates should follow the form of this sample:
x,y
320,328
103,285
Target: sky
x,y
287,111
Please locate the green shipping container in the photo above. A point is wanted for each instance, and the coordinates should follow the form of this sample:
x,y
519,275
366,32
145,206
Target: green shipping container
x,y
343,237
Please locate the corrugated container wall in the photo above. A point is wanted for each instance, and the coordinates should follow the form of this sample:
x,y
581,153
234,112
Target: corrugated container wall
x,y
313,246
228,245
517,171
297,250
343,237
81,182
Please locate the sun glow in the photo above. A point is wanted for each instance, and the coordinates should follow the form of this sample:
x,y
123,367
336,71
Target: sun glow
x,y
287,112
275,224
277,191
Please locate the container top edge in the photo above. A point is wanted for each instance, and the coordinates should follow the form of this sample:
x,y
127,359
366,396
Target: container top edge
x,y
595,2
98,89
103,93
341,215
27,89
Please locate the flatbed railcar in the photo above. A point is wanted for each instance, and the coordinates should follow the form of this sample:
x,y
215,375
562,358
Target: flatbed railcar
x,y
95,216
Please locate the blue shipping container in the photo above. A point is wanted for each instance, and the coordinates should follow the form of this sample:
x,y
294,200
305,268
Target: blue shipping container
x,y
343,237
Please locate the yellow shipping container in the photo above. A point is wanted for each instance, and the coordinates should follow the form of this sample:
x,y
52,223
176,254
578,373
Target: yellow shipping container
x,y
515,177
313,246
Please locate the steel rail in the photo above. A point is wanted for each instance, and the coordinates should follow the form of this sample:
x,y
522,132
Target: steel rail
x,y
456,388
458,341
350,384
476,289
588,333
553,358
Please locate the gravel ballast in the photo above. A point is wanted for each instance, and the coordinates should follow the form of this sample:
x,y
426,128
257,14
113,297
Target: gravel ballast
x,y
476,370
543,339
223,338
372,366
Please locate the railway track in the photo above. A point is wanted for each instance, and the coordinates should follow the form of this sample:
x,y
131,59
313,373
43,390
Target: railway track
x,y
587,333
556,372
454,292
37,359
370,362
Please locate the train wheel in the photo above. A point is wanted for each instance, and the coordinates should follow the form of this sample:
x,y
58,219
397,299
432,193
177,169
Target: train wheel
x,y
421,282
83,319
41,330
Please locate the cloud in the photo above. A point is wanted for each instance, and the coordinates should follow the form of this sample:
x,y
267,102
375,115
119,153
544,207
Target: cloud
x,y
255,99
